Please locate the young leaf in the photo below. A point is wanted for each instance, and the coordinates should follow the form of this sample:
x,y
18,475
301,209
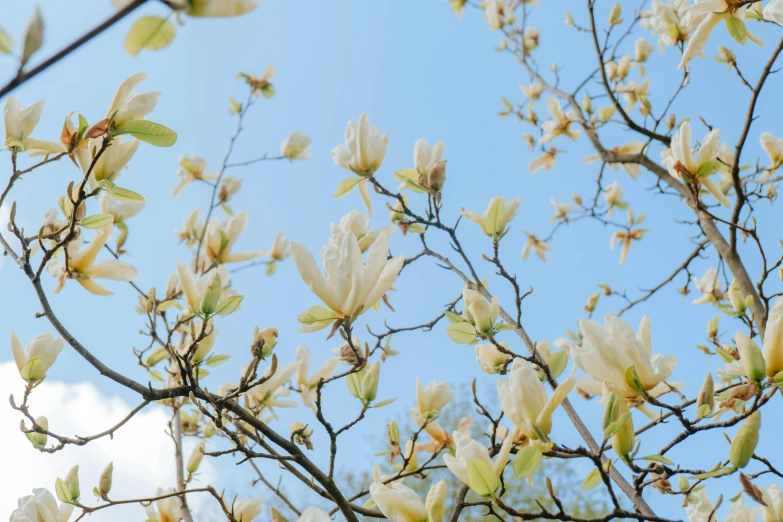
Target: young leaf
x,y
527,461
592,480
481,477
150,132
229,305
557,363
97,221
317,317
123,194
462,333
658,458
346,185
736,28
383,403
33,37
149,32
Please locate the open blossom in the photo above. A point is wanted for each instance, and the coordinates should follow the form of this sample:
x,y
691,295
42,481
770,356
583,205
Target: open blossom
x,y
560,124
164,510
34,361
533,91
425,157
490,358
710,287
471,454
348,285
109,166
667,20
774,148
432,398
642,50
247,509
701,511
314,514
280,248
561,210
708,14
494,13
191,228
694,166
228,188
364,149
83,268
773,498
221,237
399,503
636,92
307,384
773,339
41,506
269,394
358,223
20,123
132,105
617,71
533,244
478,312
613,195
494,220
632,169
296,146
607,352
773,12
191,168
121,210
545,161
194,287
524,401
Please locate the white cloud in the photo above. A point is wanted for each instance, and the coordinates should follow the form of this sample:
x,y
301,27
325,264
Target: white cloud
x,y
141,450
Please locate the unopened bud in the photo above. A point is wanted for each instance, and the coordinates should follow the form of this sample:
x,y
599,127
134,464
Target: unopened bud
x,y
436,177
587,104
751,357
393,431
592,302
671,121
195,457
370,382
104,483
616,14
705,402
744,443
735,297
726,55
300,434
617,412
712,327
38,440
68,489
264,341
277,516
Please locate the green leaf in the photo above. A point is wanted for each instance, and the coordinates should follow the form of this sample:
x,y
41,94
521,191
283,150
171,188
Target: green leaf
x,y
97,220
156,376
123,194
736,28
527,461
346,185
62,491
708,169
6,43
613,427
717,473
633,382
658,458
462,333
482,478
557,363
592,480
383,403
493,216
501,327
354,383
150,132
216,360
229,305
316,318
33,37
268,90
452,317
209,300
149,32
411,179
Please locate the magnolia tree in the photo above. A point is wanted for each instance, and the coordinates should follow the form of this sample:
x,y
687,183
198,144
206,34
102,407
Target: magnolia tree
x,y
510,436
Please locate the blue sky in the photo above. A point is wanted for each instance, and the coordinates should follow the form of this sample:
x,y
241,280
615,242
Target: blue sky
x,y
418,73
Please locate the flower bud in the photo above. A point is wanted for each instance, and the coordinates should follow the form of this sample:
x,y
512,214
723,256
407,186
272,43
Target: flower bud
x,y
671,120
68,489
712,327
735,297
38,440
705,402
370,382
211,295
393,430
744,443
104,483
491,359
592,302
436,176
773,339
264,342
195,458
569,20
616,14
616,411
435,504
752,358
726,55
300,434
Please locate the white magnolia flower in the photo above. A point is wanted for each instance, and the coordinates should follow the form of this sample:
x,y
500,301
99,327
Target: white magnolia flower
x,y
773,497
268,394
191,168
364,149
710,287
668,21
358,223
40,354
296,146
348,285
708,14
561,210
109,166
607,352
739,512
773,147
478,312
694,166
221,237
470,454
426,157
642,50
494,13
121,210
191,228
773,12
83,268
307,384
20,123
432,398
701,510
279,250
613,195
533,91
247,509
220,9
494,220
166,509
617,71
560,124
132,105
632,169
194,287
490,358
545,161
41,506
536,245
313,514
524,401
396,501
